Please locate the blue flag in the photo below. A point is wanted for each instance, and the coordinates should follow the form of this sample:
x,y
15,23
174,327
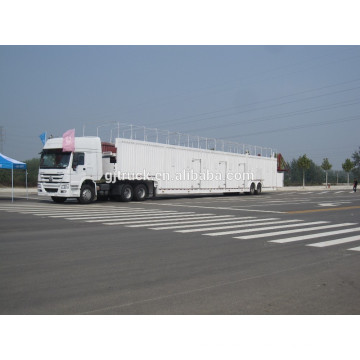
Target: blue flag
x,y
43,138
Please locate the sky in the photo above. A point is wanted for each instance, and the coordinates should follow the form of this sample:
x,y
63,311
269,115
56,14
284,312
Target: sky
x,y
294,99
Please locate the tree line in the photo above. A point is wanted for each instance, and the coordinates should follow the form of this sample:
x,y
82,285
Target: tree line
x,y
303,171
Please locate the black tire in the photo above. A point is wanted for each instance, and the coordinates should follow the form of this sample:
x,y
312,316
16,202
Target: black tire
x,y
258,189
252,189
140,192
127,193
58,200
87,194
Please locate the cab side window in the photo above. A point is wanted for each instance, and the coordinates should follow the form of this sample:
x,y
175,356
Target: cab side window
x,y
79,159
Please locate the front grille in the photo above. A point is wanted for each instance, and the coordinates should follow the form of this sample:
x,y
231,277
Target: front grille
x,y
51,178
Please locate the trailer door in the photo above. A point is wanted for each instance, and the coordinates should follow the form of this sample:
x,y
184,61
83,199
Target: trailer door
x,y
241,175
223,173
196,172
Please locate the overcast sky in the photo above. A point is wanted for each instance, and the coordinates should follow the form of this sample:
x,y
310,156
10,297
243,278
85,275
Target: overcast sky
x,y
295,99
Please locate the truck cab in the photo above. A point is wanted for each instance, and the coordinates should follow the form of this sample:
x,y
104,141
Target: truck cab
x,y
65,175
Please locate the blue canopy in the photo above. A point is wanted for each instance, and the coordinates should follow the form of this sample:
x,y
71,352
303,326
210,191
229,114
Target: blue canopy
x,y
9,163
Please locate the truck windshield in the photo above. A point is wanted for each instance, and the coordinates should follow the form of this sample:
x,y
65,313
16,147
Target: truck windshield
x,y
54,159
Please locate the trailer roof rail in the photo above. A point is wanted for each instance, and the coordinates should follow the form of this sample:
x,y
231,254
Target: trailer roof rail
x,y
142,133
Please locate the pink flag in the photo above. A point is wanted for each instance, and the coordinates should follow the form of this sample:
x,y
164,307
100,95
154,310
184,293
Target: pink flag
x,y
69,140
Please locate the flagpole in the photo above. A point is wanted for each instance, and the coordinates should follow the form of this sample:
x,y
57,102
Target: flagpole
x,y
12,183
27,192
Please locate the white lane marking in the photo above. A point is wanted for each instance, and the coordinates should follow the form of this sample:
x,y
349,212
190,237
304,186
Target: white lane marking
x,y
247,237
137,217
336,241
87,213
201,220
51,204
123,215
355,248
222,208
246,225
314,236
212,223
323,192
68,208
82,209
258,229
338,192
139,222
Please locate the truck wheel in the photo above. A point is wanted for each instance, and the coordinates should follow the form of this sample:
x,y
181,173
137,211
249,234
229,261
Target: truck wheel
x,y
58,200
258,189
87,194
140,192
252,189
126,193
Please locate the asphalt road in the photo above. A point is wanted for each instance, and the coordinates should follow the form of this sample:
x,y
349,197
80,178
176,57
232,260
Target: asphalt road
x,y
277,253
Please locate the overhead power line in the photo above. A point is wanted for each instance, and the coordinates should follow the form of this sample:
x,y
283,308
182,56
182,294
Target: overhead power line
x,y
178,120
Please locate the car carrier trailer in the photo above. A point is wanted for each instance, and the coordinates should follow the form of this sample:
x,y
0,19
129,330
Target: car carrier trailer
x,y
131,169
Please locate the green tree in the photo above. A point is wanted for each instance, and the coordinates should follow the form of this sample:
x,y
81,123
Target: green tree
x,y
304,163
347,166
326,166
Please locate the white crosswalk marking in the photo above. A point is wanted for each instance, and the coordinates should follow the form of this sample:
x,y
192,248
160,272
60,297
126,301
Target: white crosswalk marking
x,y
44,211
98,214
336,241
275,233
315,236
123,215
214,221
147,217
173,220
161,218
238,227
146,222
245,226
240,224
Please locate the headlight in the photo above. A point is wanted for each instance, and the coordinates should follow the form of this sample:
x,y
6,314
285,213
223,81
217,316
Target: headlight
x,y
65,186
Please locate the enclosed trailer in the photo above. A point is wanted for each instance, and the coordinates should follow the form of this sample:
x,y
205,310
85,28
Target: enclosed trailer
x,y
179,170
133,169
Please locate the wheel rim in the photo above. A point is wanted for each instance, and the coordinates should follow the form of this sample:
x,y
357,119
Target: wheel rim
x,y
86,195
127,193
140,193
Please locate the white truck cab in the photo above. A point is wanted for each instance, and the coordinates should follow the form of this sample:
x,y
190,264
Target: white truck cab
x,y
65,175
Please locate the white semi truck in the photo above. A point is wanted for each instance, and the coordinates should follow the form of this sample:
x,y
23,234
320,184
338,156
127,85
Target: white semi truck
x,y
130,169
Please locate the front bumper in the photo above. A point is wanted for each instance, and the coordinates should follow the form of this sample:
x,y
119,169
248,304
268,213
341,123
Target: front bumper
x,y
59,190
